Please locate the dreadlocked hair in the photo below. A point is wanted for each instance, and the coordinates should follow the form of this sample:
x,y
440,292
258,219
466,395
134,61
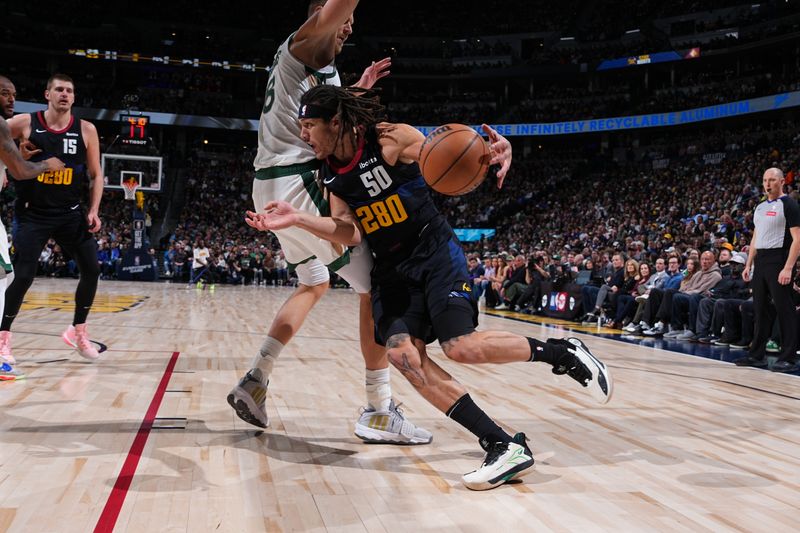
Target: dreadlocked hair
x,y
356,107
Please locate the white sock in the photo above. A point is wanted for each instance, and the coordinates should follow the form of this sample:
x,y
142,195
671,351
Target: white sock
x,y
379,392
266,357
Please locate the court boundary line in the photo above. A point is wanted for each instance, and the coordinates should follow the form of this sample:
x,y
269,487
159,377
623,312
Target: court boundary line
x,y
108,517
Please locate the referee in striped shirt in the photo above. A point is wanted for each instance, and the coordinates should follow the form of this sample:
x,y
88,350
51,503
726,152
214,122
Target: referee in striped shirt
x,y
773,252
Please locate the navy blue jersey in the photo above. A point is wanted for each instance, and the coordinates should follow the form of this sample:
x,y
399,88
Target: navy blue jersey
x,y
59,188
392,203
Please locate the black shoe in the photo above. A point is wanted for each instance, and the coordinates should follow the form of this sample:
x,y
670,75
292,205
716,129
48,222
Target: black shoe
x,y
581,365
740,345
785,366
724,341
750,361
707,339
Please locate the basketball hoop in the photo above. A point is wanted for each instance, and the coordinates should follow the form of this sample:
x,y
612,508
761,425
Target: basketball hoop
x,y
130,187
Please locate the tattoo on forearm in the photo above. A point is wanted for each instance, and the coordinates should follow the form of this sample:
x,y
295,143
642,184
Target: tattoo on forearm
x,y
6,144
10,154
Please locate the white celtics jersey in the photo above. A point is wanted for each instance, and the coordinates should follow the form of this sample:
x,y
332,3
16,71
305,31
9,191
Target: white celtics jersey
x,y
279,142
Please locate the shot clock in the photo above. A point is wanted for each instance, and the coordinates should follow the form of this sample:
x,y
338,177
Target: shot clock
x,y
134,129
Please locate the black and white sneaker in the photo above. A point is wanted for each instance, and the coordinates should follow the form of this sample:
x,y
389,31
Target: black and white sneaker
x,y
586,369
503,462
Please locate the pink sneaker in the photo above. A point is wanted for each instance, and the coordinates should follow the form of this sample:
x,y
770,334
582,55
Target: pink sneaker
x,y
5,348
78,338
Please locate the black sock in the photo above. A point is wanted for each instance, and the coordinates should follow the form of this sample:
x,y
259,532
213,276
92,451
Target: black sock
x,y
547,352
472,417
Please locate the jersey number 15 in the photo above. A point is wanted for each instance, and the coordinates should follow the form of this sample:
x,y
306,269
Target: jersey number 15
x,y
70,146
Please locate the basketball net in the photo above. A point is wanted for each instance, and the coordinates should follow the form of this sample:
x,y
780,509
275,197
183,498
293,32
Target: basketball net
x,y
130,187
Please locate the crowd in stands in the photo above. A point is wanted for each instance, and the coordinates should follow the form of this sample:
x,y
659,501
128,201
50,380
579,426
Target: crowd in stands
x,y
218,192
656,252
242,36
700,190
113,239
604,103
658,247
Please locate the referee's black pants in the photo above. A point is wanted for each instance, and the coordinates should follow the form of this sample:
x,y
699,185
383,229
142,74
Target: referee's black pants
x,y
767,265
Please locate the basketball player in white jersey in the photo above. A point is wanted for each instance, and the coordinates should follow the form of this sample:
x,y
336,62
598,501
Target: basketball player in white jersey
x,y
22,170
286,169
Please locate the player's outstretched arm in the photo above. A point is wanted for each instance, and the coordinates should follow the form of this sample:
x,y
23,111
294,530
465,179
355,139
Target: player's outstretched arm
x,y
501,153
19,168
399,142
374,72
341,227
315,42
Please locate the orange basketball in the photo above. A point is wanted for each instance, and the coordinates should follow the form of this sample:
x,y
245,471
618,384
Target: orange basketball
x,y
454,159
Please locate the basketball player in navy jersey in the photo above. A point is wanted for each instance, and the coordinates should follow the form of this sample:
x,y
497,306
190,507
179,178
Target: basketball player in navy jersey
x,y
420,283
51,206
11,158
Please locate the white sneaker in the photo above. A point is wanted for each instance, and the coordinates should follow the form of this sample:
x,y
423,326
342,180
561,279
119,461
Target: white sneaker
x,y
674,334
503,461
587,370
248,399
389,427
630,328
501,307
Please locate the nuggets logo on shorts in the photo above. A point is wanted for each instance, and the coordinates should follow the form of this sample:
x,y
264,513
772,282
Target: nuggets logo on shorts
x,y
461,289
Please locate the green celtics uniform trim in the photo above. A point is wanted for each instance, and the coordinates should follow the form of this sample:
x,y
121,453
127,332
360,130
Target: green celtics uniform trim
x,y
333,266
291,266
288,170
340,262
322,77
313,190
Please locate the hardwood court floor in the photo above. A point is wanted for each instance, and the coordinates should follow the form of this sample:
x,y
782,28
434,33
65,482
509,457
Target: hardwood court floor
x,y
686,444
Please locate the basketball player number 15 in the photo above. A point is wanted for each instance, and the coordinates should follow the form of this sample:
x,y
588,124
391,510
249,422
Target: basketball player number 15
x,y
70,146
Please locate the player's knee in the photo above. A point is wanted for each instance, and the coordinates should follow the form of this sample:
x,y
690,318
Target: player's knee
x,y
401,351
23,274
90,269
318,290
463,349
405,357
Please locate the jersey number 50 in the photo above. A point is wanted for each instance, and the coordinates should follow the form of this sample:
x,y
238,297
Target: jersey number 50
x,y
381,214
